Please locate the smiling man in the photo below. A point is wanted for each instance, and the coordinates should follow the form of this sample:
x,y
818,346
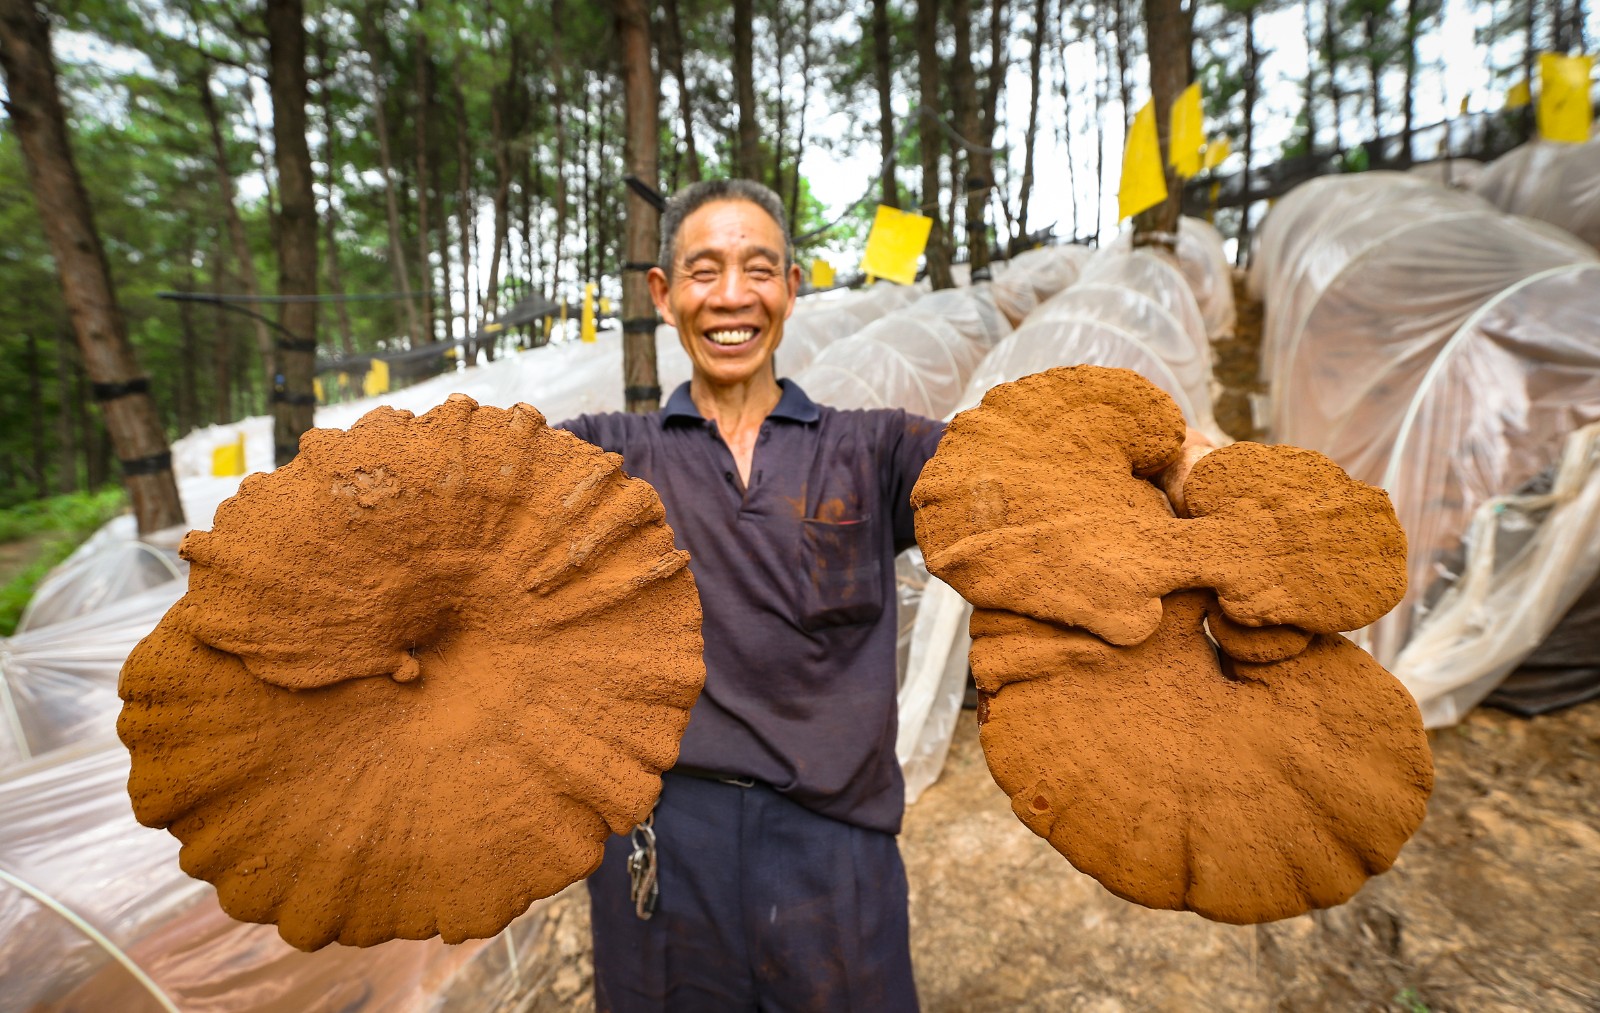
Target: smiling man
x,y
780,880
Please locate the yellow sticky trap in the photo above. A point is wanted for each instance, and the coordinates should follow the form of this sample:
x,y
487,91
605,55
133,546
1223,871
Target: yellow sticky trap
x,y
586,327
1518,95
1144,185
1565,114
316,389
1187,132
377,379
548,323
1217,152
895,244
605,306
821,274
228,459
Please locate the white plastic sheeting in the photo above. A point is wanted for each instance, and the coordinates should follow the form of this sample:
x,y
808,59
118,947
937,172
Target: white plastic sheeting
x,y
824,319
1030,278
96,915
1205,265
1556,183
1445,351
58,683
1129,310
918,358
1456,173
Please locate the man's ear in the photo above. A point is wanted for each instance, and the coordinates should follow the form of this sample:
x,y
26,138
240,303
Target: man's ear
x,y
659,287
794,288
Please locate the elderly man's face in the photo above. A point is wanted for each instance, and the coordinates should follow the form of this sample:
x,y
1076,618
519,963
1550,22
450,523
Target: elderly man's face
x,y
729,293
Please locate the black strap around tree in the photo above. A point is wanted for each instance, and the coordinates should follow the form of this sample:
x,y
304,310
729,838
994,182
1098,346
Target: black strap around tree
x,y
104,392
297,345
298,400
640,266
640,325
647,192
641,393
151,465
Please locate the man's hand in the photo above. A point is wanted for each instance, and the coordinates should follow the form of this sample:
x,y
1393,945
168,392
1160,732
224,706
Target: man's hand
x,y
1195,446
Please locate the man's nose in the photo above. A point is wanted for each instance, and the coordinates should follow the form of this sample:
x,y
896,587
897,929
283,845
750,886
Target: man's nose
x,y
733,290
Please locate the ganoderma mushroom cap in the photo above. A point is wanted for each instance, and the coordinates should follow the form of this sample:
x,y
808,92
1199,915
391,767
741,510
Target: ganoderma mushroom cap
x,y
419,676
1035,504
1164,698
1182,780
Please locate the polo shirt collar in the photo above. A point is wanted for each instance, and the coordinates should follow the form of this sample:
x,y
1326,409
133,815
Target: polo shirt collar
x,y
793,405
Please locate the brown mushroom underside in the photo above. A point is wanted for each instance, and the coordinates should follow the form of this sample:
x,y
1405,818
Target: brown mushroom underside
x,y
419,676
1163,698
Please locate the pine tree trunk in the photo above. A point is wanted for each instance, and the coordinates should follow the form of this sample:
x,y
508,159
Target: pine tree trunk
x,y
430,331
748,163
1309,101
222,346
502,185
293,401
1168,37
466,212
1252,88
71,417
330,221
1066,124
980,162
1123,30
1035,73
964,98
446,290
1330,54
674,57
889,190
781,47
641,132
1369,28
558,78
931,140
1409,110
1102,97
188,390
235,224
805,102
36,416
37,116
380,125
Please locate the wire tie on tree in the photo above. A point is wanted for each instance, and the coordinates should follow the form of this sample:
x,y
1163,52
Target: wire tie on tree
x,y
104,392
152,465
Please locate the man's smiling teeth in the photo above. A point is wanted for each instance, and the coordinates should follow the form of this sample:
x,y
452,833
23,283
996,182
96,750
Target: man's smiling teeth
x,y
736,336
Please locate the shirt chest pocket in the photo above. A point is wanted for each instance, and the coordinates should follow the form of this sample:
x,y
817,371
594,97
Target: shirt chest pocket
x,y
842,580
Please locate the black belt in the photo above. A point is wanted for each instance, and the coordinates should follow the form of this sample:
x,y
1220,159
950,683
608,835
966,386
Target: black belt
x,y
703,774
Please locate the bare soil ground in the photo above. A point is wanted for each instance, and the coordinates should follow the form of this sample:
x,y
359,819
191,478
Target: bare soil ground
x,y
1491,907
19,555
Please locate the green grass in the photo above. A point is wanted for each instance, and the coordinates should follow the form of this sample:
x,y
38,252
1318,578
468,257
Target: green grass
x,y
65,521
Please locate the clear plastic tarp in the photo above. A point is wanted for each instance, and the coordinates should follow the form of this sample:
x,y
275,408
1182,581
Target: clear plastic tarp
x,y
58,683
1445,351
1556,183
1030,278
1131,310
96,915
918,358
1455,173
1205,265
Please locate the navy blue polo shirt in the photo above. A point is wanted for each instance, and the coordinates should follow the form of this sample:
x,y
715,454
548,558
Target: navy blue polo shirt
x,y
797,586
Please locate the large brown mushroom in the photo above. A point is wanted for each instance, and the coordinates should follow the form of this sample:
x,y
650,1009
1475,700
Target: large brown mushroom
x,y
419,676
1035,504
1164,698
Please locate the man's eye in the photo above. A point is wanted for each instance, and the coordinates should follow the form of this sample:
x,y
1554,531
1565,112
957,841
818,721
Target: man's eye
x,y
704,275
761,272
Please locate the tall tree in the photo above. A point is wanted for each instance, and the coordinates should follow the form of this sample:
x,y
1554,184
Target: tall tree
x,y
377,50
293,400
888,191
35,107
641,133
1167,32
748,161
1035,74
928,76
673,57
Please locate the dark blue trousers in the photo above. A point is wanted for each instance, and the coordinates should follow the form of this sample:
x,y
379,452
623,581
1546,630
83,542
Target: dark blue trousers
x,y
764,905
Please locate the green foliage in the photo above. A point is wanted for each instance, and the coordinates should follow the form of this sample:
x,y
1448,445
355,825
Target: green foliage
x,y
67,521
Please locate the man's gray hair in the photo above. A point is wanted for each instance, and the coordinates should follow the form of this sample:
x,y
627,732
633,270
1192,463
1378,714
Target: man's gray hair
x,y
697,195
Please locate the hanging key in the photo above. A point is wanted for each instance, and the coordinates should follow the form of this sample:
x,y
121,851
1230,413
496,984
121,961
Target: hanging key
x,y
643,888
